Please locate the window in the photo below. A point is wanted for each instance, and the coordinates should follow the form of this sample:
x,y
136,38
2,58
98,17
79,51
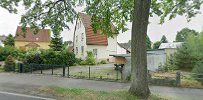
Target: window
x,y
95,53
76,50
82,50
82,37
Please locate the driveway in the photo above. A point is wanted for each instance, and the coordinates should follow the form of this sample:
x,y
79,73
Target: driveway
x,y
26,83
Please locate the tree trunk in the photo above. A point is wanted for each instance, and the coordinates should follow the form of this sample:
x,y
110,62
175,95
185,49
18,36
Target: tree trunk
x,y
139,85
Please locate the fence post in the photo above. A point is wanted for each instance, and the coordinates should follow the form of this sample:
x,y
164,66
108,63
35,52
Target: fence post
x,y
89,72
117,74
64,69
68,72
41,68
52,69
178,79
31,68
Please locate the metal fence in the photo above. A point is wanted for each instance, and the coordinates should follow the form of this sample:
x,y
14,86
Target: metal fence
x,y
84,72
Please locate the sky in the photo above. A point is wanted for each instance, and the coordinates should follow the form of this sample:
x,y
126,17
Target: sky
x,y
9,23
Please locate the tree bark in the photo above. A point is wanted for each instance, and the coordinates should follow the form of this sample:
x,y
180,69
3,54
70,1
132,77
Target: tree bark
x,y
139,85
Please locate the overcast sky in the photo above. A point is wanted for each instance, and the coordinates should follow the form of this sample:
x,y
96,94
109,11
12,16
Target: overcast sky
x,y
9,23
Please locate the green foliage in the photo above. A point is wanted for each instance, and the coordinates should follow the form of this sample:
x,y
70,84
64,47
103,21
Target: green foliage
x,y
184,33
198,70
103,62
164,39
9,40
50,57
56,42
191,52
90,60
148,43
9,64
156,45
9,50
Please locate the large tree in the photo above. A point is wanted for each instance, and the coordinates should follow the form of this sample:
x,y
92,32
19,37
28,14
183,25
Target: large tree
x,y
184,33
9,40
56,14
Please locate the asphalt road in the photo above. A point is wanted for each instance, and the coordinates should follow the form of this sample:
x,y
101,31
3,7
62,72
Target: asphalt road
x,y
29,84
15,96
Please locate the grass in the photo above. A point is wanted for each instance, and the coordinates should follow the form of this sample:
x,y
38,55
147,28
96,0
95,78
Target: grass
x,y
99,74
187,81
85,94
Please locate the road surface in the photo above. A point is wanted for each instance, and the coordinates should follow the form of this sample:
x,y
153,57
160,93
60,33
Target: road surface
x,y
28,83
15,96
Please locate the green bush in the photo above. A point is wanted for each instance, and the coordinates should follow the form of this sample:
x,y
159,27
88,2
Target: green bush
x,y
9,64
50,57
8,50
103,62
198,72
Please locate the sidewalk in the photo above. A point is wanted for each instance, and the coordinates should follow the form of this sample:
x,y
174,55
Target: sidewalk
x,y
27,82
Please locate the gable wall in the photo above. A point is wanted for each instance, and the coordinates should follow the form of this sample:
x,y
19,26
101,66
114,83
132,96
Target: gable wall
x,y
80,28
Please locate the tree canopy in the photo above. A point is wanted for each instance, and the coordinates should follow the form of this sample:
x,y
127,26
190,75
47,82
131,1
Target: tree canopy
x,y
9,40
56,14
164,39
184,33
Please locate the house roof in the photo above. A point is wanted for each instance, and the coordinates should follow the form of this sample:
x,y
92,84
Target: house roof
x,y
43,35
126,46
92,38
173,45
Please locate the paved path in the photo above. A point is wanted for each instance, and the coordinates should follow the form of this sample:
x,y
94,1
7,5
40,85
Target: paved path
x,y
25,83
15,96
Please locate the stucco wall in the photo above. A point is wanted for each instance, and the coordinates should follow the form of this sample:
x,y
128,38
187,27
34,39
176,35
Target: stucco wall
x,y
80,28
43,45
103,52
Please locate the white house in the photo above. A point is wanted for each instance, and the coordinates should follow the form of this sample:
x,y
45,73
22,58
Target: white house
x,y
85,40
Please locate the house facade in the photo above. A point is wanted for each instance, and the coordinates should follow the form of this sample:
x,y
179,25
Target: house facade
x,y
86,40
28,40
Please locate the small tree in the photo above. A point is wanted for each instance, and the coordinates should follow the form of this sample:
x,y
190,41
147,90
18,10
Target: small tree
x,y
148,43
56,42
9,64
164,39
156,45
9,40
198,70
90,60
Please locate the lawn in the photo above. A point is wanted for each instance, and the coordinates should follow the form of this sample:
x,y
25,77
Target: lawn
x,y
107,74
85,94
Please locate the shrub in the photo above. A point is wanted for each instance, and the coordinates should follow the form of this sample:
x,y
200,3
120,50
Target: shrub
x,y
9,64
83,63
8,50
103,62
33,56
198,70
90,60
50,57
